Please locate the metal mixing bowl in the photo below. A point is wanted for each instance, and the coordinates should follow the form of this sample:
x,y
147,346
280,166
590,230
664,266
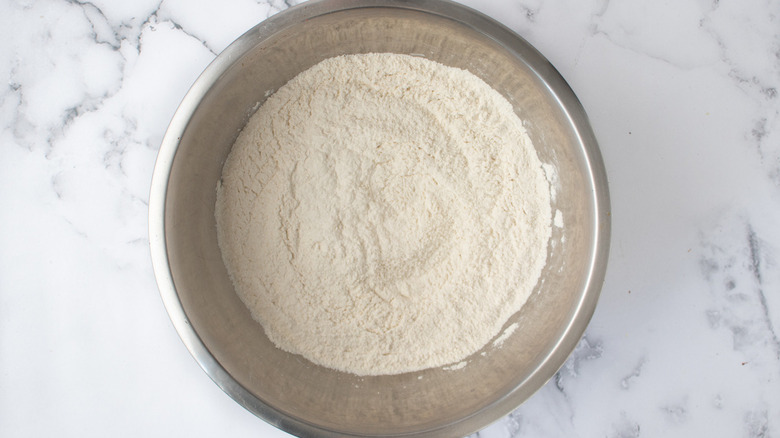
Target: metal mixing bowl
x,y
289,391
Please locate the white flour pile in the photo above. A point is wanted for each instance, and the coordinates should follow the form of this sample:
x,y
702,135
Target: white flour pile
x,y
383,213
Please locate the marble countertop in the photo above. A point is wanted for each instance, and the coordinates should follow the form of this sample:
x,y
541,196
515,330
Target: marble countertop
x,y
683,97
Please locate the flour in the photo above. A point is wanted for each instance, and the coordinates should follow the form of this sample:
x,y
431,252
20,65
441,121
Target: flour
x,y
499,341
558,219
383,213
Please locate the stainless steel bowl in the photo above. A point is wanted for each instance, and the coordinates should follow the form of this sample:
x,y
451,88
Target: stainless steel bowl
x,y
287,390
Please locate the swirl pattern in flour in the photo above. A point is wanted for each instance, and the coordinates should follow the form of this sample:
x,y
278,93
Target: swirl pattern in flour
x,y
383,213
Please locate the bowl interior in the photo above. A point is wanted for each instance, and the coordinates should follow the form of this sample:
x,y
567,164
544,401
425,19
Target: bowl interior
x,y
491,384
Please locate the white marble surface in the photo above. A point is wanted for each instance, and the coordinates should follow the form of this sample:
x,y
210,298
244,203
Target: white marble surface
x,y
683,97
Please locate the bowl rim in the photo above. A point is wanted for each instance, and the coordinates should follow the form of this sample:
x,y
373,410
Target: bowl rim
x,y
479,22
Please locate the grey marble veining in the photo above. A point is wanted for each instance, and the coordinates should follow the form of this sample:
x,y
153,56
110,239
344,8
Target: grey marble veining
x,y
683,99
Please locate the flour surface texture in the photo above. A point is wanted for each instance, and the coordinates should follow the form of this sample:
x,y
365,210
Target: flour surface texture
x,y
383,213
